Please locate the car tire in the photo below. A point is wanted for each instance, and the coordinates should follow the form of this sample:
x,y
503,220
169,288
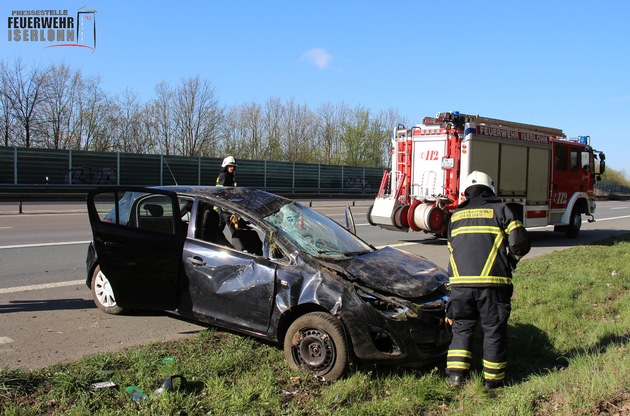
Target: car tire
x,y
575,223
103,293
315,342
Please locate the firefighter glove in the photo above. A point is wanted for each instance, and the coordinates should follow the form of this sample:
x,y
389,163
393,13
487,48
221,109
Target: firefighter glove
x,y
234,219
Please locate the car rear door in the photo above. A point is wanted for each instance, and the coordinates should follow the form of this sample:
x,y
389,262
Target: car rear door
x,y
138,241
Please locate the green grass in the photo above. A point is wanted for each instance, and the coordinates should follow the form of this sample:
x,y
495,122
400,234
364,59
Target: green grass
x,y
568,348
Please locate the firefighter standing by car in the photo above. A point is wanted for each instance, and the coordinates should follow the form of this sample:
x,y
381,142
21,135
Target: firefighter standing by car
x,y
226,178
485,241
226,174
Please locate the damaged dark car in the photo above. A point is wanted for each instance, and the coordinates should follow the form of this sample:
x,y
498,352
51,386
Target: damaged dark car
x,y
264,265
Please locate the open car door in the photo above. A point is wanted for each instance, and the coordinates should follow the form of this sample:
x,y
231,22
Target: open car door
x,y
138,237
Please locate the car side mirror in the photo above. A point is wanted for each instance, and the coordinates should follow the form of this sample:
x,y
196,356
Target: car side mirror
x,y
350,225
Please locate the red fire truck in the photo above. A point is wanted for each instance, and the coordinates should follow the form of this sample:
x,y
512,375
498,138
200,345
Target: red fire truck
x,y
543,176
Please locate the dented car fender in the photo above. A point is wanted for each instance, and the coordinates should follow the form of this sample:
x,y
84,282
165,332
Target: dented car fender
x,y
305,289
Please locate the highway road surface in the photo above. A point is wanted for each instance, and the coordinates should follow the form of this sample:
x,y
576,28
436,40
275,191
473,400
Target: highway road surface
x,y
47,315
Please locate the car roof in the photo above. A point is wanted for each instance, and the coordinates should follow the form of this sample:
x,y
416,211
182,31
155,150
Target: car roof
x,y
259,202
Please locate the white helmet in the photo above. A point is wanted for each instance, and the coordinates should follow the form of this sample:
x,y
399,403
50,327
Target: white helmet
x,y
228,161
478,178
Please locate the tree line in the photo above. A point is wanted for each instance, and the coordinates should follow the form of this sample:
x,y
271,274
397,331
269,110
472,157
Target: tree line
x,y
56,107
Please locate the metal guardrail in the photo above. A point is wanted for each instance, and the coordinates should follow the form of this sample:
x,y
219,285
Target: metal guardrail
x,y
26,194
73,193
75,202
46,193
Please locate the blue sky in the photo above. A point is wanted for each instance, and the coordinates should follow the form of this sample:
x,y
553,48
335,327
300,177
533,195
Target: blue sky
x,y
562,64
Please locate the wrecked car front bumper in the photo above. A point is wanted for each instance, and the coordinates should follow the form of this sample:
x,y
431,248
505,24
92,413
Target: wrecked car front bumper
x,y
413,341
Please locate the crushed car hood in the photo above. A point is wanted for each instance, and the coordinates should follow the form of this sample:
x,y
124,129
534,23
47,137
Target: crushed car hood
x,y
395,272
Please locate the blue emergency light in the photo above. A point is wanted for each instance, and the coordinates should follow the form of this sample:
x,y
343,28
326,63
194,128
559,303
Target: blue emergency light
x,y
584,139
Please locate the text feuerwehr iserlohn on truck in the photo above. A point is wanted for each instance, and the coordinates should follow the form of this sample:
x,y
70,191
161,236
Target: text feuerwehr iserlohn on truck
x,y
543,176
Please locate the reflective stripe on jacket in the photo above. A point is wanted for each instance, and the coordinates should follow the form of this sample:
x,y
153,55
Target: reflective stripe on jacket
x,y
225,178
485,241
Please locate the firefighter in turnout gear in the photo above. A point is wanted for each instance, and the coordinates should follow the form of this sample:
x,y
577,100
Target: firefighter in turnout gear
x,y
226,177
226,174
486,242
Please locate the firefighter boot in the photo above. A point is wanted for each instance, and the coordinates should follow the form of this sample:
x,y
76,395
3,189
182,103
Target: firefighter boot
x,y
456,379
493,384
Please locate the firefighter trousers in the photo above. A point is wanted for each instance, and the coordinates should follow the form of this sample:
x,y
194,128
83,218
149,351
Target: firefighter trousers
x,y
490,306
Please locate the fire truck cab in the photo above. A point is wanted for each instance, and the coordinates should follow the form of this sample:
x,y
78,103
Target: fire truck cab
x,y
543,176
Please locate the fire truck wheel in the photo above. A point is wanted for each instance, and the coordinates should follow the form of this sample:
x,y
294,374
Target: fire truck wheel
x,y
574,224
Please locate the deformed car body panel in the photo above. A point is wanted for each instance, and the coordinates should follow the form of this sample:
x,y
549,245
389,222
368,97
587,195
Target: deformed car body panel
x,y
382,271
307,285
227,286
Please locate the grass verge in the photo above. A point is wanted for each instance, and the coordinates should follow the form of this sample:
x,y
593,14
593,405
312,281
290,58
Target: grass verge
x,y
569,355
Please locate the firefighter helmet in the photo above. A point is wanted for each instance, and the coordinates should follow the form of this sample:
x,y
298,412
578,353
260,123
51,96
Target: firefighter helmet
x,y
229,161
479,178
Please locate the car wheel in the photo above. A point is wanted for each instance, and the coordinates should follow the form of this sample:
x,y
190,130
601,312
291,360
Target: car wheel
x,y
574,224
316,342
103,293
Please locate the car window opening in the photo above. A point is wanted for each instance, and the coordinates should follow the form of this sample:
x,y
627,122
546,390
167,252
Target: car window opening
x,y
155,213
225,228
210,229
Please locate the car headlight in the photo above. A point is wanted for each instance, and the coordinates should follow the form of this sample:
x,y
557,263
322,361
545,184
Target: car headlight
x,y
404,310
398,312
433,305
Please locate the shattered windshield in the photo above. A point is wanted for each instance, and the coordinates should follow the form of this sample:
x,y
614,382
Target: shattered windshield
x,y
314,233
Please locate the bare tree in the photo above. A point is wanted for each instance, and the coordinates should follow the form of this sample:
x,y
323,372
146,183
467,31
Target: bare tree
x,y
328,132
128,120
237,133
273,116
197,117
59,106
146,130
299,128
252,141
91,130
387,120
232,131
163,118
7,121
24,90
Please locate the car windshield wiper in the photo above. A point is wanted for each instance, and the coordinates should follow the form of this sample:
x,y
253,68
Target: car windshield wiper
x,y
356,253
343,253
329,252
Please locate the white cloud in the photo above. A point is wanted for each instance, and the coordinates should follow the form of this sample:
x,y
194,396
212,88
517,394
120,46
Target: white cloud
x,y
318,57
